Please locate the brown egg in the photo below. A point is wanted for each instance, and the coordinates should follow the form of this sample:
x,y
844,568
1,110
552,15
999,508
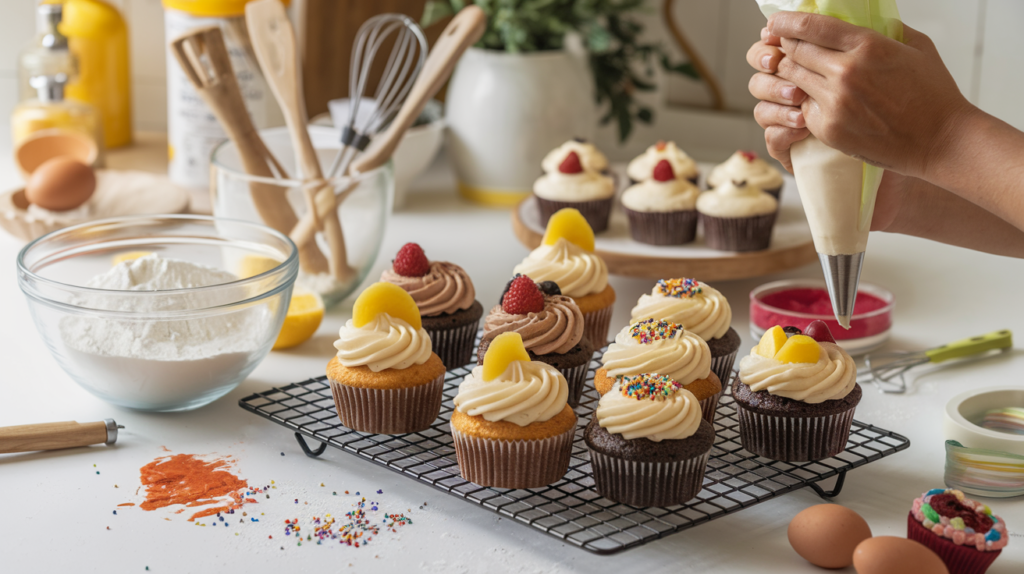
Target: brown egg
x,y
894,555
826,535
60,184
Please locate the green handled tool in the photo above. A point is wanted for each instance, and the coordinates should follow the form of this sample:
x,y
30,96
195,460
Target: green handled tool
x,y
886,367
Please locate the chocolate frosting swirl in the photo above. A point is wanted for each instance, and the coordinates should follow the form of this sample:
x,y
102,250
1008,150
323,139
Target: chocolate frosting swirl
x,y
556,329
446,288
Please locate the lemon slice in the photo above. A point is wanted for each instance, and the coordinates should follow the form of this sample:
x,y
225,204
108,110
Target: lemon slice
x,y
305,311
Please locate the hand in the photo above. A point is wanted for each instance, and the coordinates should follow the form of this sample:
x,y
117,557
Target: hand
x,y
779,111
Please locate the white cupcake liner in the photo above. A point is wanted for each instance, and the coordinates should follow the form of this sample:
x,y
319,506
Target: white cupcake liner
x,y
388,411
648,483
722,366
595,326
794,439
454,346
513,463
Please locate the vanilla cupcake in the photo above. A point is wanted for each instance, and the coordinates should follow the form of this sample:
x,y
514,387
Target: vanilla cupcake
x,y
737,216
683,166
662,210
591,158
746,166
571,184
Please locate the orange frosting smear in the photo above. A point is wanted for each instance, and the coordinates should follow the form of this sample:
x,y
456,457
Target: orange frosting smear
x,y
187,480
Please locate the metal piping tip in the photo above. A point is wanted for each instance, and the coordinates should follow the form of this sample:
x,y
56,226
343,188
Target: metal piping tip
x,y
842,276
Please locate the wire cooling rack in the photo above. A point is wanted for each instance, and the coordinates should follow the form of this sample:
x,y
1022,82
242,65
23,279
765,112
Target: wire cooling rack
x,y
571,509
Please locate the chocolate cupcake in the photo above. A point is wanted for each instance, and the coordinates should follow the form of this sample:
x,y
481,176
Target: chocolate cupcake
x,y
737,216
642,166
964,533
551,326
665,348
662,210
701,310
796,396
746,166
638,458
571,185
445,296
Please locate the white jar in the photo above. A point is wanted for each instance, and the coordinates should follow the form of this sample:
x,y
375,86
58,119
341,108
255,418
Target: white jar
x,y
192,129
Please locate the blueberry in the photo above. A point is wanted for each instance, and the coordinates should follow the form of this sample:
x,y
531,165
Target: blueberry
x,y
790,331
549,288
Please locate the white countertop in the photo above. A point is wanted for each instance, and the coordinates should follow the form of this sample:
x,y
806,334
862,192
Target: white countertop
x,y
56,507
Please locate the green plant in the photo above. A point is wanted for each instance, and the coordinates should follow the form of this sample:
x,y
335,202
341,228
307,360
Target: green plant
x,y
612,39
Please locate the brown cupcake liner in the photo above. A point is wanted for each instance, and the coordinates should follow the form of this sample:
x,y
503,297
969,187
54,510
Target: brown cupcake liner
x,y
513,463
958,559
596,212
648,483
662,228
576,377
794,439
454,346
595,327
738,233
722,366
388,411
709,406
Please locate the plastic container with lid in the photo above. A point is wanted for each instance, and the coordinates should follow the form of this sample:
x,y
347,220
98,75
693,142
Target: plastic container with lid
x,y
192,130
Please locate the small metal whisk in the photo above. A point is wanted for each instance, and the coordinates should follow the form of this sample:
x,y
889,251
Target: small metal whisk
x,y
403,65
888,370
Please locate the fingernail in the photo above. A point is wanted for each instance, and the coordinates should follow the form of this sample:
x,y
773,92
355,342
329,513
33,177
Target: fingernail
x,y
795,116
789,92
766,62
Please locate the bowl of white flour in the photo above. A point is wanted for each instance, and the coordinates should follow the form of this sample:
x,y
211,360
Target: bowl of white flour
x,y
159,313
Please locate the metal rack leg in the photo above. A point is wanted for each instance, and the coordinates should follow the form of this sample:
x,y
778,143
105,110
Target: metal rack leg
x,y
305,447
836,489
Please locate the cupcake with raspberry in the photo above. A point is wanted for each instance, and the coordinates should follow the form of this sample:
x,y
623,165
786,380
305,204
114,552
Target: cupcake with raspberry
x,y
570,184
964,533
737,216
662,210
746,166
384,377
512,425
649,445
683,166
566,257
550,325
701,310
591,158
795,396
651,346
444,294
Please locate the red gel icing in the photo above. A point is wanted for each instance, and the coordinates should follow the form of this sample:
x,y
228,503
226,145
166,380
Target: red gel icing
x,y
812,301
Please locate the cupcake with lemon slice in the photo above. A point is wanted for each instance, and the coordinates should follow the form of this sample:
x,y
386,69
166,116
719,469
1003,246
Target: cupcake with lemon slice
x,y
384,377
512,425
795,396
566,257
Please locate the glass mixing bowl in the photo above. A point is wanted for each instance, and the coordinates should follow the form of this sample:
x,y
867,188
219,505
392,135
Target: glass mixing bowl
x,y
167,350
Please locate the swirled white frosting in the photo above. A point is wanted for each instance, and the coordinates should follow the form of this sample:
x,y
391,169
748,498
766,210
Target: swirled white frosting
x,y
576,271
641,168
653,195
684,357
757,172
384,343
706,314
665,418
732,200
528,391
831,378
591,158
583,186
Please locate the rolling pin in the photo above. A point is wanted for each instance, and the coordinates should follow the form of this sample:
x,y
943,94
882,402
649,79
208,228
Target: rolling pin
x,y
53,436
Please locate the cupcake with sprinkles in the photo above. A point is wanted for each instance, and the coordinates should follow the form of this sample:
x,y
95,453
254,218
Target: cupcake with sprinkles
x,y
964,533
700,309
663,347
648,442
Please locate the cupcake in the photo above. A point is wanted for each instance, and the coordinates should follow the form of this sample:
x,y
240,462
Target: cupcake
x,y
737,217
746,166
642,166
571,185
566,257
550,326
444,294
648,444
962,532
591,158
662,209
384,378
511,424
651,346
701,310
795,396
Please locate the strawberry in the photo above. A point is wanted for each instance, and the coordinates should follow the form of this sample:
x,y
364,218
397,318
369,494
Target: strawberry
x,y
523,297
571,164
411,261
749,156
663,171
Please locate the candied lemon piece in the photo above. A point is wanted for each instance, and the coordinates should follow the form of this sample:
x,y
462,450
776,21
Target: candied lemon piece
x,y
504,349
799,349
385,298
305,312
129,256
569,224
772,340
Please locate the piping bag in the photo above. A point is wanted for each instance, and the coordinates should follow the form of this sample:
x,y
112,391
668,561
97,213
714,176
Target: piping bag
x,y
837,191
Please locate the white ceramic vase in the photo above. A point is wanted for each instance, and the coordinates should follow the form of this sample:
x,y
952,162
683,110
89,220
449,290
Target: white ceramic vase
x,y
506,111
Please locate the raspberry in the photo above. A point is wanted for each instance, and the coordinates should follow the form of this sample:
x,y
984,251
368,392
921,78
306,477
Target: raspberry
x,y
571,164
749,156
411,261
663,171
523,297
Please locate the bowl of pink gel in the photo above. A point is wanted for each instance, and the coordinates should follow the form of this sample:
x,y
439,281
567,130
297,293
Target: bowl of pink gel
x,y
797,302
